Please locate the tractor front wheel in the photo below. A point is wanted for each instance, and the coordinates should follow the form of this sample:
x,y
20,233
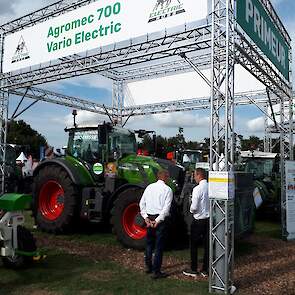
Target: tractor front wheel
x,y
128,225
56,200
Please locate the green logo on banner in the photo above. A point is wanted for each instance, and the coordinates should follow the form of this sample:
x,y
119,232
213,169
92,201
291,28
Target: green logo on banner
x,y
97,168
255,21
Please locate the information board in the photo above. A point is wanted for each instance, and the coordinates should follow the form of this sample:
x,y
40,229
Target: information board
x,y
221,185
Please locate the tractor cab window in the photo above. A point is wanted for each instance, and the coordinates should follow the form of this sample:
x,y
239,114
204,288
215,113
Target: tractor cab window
x,y
84,145
191,158
260,167
121,142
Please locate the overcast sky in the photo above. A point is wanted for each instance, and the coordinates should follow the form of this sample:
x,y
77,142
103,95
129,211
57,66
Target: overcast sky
x,y
51,120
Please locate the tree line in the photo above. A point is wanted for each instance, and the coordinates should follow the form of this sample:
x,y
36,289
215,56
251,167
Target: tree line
x,y
178,142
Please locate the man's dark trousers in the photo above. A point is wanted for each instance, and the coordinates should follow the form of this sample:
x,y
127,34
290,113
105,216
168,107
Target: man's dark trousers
x,y
155,241
199,237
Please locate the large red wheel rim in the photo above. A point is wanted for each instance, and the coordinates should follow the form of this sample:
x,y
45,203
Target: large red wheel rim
x,y
51,200
132,229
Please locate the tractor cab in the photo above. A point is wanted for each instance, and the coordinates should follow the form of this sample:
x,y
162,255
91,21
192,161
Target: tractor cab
x,y
261,164
265,168
189,158
100,144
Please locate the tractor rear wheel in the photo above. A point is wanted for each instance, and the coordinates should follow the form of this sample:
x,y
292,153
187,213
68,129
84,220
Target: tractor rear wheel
x,y
56,200
128,225
26,243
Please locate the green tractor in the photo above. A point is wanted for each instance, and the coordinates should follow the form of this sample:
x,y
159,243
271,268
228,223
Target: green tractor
x,y
100,179
265,169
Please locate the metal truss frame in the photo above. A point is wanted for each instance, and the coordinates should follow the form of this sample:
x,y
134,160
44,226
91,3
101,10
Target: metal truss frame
x,y
118,101
61,99
4,99
218,45
286,146
222,133
256,98
115,58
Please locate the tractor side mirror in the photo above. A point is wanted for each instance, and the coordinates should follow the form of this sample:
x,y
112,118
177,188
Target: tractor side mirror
x,y
102,134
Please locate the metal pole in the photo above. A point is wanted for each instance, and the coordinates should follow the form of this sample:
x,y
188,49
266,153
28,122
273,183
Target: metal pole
x,y
118,100
286,145
222,140
4,97
267,134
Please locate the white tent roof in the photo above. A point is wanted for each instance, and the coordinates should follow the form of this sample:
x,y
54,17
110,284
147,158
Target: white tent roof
x,y
21,157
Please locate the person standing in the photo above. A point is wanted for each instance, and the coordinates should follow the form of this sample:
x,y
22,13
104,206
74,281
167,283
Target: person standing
x,y
154,208
200,224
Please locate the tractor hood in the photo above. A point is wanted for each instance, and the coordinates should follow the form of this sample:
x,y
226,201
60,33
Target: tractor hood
x,y
148,167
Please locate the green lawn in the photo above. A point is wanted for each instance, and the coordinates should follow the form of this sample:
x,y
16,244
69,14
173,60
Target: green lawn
x,y
65,274
268,229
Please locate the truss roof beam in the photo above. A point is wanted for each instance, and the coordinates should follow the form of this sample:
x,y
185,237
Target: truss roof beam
x,y
61,99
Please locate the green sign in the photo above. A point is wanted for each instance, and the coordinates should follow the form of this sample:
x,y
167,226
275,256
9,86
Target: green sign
x,y
255,21
97,168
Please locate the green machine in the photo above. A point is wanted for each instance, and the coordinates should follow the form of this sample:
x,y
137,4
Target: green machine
x,y
101,179
17,244
265,168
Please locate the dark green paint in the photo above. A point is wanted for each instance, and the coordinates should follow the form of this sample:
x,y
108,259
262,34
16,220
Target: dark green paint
x,y
130,169
84,175
15,202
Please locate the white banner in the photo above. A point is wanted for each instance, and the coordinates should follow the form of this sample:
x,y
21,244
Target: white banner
x,y
290,199
98,24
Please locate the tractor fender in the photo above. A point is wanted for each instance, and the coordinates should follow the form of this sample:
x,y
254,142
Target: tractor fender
x,y
119,190
72,171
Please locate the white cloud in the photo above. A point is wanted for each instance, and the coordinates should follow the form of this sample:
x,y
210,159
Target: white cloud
x,y
185,86
83,118
185,120
256,125
170,120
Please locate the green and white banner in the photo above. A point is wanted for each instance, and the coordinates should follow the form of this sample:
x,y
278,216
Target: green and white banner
x,y
255,21
101,23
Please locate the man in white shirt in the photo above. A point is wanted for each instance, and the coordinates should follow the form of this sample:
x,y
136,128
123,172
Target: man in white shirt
x,y
200,224
154,208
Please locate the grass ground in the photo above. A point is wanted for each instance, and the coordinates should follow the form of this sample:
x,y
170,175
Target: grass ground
x,y
81,264
64,274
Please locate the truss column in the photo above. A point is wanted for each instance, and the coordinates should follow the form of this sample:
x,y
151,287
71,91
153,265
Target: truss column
x,y
286,145
118,100
267,142
222,142
3,118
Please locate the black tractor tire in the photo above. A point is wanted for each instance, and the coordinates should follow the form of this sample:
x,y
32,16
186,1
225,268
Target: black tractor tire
x,y
26,243
66,221
126,198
